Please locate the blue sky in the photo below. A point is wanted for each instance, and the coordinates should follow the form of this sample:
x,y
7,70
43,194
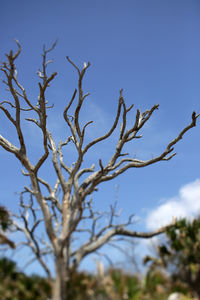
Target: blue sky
x,y
151,49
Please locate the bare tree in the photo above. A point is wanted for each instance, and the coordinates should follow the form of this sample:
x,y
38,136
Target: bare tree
x,y
66,205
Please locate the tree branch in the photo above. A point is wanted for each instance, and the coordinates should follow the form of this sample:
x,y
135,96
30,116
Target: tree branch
x,y
117,230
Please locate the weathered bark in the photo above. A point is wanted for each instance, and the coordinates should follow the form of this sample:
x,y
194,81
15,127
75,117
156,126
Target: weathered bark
x,y
65,205
61,277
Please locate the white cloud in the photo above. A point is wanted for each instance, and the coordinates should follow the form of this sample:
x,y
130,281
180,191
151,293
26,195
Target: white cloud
x,y
185,204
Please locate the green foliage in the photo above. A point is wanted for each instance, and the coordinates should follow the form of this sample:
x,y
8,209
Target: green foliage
x,y
5,220
126,285
81,286
15,285
113,285
181,254
7,268
152,280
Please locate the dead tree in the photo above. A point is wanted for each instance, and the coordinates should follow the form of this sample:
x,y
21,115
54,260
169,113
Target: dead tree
x,y
64,213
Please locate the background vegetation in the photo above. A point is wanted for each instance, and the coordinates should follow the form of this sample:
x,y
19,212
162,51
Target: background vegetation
x,y
176,268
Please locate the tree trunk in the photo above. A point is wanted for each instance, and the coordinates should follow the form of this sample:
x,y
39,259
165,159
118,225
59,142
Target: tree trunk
x,y
60,283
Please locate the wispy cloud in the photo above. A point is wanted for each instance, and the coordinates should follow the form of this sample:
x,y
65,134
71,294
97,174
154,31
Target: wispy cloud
x,y
185,204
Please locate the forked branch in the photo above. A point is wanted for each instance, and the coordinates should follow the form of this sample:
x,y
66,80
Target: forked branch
x,y
63,207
